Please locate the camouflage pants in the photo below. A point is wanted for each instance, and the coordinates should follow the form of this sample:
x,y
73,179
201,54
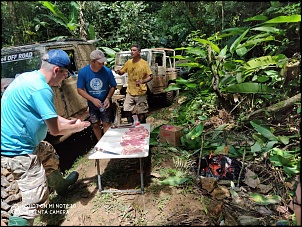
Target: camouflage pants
x,y
31,171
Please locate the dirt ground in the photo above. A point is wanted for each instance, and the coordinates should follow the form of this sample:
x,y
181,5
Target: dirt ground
x,y
84,205
194,204
163,207
214,203
159,205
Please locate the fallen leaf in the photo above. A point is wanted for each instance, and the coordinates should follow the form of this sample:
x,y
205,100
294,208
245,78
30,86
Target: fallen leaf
x,y
221,192
251,179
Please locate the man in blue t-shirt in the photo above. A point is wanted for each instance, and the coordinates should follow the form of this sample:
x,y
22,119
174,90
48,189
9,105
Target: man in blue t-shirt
x,y
97,84
27,113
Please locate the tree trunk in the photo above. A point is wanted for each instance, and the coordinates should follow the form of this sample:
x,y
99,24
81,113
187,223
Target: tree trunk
x,y
83,33
223,102
276,107
222,16
14,22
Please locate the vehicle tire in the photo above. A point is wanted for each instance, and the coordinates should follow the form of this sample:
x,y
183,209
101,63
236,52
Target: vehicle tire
x,y
170,96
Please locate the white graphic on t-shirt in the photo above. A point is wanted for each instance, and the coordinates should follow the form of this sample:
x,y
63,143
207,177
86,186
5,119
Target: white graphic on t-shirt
x,y
96,84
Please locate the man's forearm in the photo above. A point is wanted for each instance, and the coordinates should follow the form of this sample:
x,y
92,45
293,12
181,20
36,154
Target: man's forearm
x,y
63,120
58,128
85,95
111,92
149,78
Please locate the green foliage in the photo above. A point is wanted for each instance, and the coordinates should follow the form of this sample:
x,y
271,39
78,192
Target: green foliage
x,y
288,160
264,131
70,22
263,64
122,23
289,9
265,200
249,88
18,25
267,142
174,181
192,137
285,19
91,33
235,68
110,55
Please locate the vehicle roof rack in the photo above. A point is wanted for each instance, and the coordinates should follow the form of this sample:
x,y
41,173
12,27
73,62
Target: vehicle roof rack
x,y
62,39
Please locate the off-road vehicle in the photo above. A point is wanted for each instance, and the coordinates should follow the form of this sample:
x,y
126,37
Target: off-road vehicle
x,y
162,65
68,103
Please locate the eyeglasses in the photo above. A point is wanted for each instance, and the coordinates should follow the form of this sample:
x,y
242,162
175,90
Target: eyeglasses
x,y
65,71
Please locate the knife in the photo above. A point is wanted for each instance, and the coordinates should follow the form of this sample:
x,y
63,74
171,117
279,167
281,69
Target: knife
x,y
123,126
110,152
104,151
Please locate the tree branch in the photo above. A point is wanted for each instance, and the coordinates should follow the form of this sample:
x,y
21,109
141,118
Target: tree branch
x,y
276,107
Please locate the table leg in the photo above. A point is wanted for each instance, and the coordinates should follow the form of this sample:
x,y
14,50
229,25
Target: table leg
x,y
97,161
142,177
99,174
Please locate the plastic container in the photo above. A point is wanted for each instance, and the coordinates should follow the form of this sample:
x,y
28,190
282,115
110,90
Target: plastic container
x,y
102,109
135,120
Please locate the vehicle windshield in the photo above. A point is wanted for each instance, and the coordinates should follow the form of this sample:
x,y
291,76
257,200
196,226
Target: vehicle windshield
x,y
17,63
123,57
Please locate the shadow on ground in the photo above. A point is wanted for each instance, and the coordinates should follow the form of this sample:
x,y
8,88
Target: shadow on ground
x,y
124,174
75,146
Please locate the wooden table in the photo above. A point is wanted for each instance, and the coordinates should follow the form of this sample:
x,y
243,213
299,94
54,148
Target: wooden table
x,y
109,147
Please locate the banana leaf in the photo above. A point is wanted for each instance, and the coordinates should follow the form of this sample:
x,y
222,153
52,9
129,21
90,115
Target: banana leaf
x,y
206,42
250,88
263,200
237,41
264,131
285,19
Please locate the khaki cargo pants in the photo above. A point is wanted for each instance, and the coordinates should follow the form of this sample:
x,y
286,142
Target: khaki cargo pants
x,y
30,172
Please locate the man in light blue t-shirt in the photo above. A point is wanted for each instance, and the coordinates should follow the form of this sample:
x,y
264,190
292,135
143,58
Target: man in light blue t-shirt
x,y
27,113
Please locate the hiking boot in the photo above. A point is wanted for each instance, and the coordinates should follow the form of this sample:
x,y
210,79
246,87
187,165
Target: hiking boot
x,y
18,221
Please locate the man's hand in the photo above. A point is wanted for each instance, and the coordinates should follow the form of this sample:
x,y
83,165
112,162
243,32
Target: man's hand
x,y
72,121
119,72
61,126
97,103
82,125
106,103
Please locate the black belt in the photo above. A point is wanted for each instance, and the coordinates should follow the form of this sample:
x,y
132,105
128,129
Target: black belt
x,y
11,156
8,156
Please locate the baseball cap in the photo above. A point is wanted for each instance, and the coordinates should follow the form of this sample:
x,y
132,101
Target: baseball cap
x,y
60,58
98,55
